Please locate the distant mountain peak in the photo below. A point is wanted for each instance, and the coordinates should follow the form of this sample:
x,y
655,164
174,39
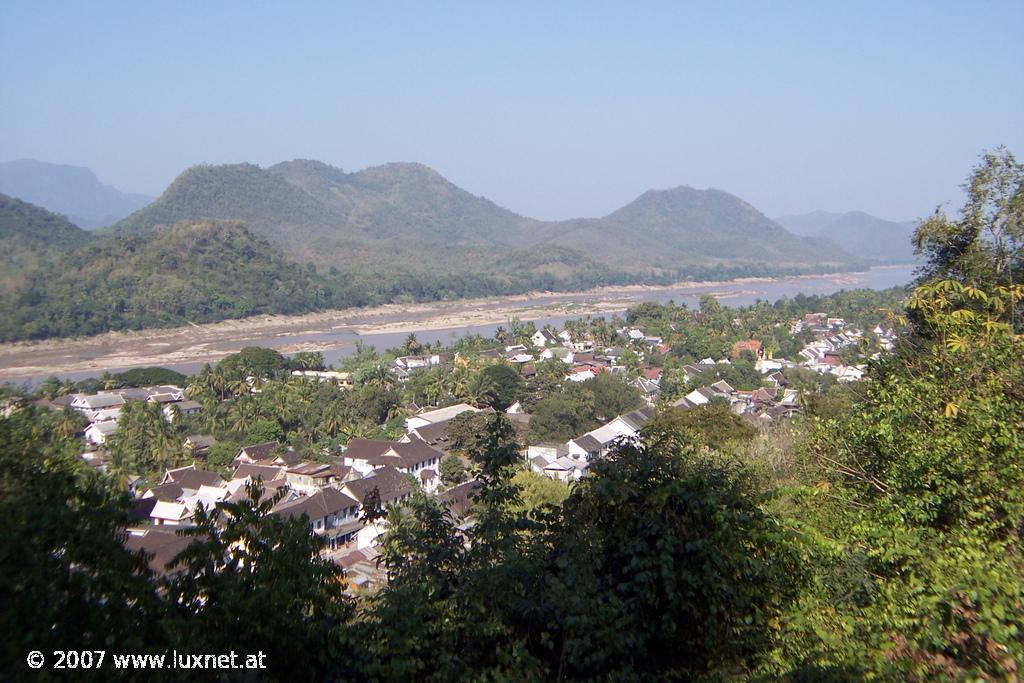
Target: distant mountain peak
x,y
406,214
858,232
73,191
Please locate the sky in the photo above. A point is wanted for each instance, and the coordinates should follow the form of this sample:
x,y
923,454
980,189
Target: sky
x,y
553,110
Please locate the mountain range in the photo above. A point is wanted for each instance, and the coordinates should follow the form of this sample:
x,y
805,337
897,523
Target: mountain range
x,y
407,217
873,239
232,240
73,191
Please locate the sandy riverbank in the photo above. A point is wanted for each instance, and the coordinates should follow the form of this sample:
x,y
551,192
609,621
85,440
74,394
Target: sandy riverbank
x,y
192,343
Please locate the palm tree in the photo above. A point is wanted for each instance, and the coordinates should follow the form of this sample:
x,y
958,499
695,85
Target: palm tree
x,y
241,415
333,423
380,377
213,414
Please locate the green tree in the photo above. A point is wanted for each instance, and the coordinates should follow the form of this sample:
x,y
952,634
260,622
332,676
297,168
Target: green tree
x,y
68,580
452,470
666,558
986,243
263,431
248,566
539,492
499,385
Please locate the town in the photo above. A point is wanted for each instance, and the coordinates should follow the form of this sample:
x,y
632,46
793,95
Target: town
x,y
388,425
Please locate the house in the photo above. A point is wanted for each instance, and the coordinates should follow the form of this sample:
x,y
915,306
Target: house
x,y
252,471
98,432
598,441
341,379
160,546
207,496
250,454
190,479
547,451
434,435
311,477
581,374
459,499
409,457
439,415
565,469
704,395
585,447
167,513
269,453
649,390
381,487
332,515
560,352
410,363
199,444
88,403
391,486
182,408
766,365
751,345
544,338
848,373
96,459
170,492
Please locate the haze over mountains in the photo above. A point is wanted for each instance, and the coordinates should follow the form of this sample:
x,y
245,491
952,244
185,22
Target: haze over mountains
x,y
408,216
871,238
73,191
233,240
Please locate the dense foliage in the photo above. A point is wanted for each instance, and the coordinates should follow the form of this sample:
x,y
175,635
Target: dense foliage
x,y
195,272
30,236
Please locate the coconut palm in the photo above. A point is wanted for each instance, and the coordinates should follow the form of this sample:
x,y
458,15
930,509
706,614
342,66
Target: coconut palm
x,y
379,376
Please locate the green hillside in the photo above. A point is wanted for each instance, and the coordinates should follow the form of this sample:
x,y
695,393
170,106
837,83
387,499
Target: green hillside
x,y
191,272
697,230
29,235
244,192
407,201
407,219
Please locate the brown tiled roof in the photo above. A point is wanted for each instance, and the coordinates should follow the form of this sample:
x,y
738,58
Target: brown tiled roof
x,y
259,451
406,455
326,501
389,482
167,492
161,547
191,478
264,472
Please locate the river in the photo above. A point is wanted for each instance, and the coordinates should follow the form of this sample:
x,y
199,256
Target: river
x,y
186,349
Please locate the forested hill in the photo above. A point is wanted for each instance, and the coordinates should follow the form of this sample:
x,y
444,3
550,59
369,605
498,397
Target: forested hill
x,y
28,235
73,191
191,272
665,227
408,218
861,234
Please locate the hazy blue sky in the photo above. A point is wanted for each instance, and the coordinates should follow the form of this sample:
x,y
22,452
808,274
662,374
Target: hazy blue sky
x,y
550,109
